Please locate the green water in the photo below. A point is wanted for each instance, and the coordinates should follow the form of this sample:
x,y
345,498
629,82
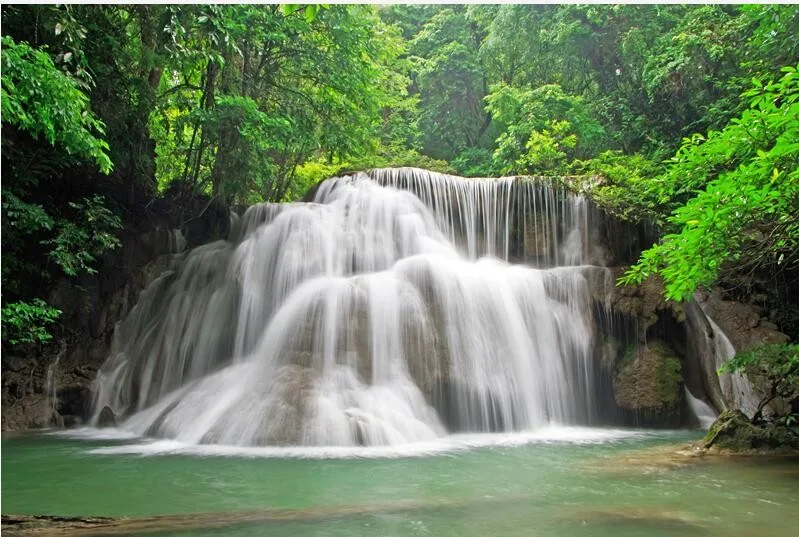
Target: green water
x,y
560,488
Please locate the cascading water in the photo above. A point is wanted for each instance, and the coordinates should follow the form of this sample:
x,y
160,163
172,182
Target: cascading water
x,y
737,389
704,413
385,311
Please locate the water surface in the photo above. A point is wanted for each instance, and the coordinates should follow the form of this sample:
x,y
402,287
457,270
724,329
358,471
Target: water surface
x,y
556,482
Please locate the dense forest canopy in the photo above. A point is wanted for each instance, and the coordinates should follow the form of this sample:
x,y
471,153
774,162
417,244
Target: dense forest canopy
x,y
687,114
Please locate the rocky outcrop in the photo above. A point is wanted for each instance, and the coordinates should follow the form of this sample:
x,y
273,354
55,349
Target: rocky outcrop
x,y
718,329
733,431
648,382
52,386
744,324
644,304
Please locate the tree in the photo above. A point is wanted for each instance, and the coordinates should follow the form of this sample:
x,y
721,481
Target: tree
x,y
541,129
260,89
735,194
45,103
776,369
40,103
451,83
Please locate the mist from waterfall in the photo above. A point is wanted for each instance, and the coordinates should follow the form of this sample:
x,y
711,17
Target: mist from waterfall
x,y
394,308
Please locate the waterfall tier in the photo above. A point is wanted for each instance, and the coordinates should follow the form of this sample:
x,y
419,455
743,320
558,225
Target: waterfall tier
x,y
397,306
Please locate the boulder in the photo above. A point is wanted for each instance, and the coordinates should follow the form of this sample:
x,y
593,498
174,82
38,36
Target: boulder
x,y
734,432
648,381
107,418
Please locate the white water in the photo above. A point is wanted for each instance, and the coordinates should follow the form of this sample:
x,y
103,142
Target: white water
x,y
704,413
51,389
551,434
369,317
51,393
737,389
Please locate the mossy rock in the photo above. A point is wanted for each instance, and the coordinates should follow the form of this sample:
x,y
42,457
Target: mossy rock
x,y
733,431
648,378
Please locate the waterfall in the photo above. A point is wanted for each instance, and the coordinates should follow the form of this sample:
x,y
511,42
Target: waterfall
x,y
704,413
50,410
737,389
398,306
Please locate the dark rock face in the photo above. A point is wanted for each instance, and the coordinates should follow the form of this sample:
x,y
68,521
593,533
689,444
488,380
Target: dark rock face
x,y
744,324
733,431
642,303
642,353
106,418
92,307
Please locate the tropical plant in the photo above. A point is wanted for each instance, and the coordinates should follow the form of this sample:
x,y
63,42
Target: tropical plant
x,y
734,194
776,368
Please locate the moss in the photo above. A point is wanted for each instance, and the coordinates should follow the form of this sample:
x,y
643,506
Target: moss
x,y
627,357
669,379
734,432
648,378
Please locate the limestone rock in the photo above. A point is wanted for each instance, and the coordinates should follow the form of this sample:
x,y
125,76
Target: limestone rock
x,y
648,378
644,302
733,431
742,323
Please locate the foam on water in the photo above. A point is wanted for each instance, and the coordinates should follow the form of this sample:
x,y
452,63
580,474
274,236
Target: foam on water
x,y
448,444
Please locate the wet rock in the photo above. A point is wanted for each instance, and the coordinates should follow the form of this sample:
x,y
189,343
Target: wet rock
x,y
107,418
71,420
644,302
49,525
746,329
14,363
733,431
648,380
742,323
283,421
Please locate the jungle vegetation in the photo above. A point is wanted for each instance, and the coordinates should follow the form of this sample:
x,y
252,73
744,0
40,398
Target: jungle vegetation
x,y
689,116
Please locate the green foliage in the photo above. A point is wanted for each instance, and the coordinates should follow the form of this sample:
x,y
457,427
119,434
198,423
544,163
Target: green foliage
x,y
669,378
25,217
310,10
260,89
628,186
450,82
244,135
26,322
776,365
686,74
544,127
474,162
742,190
311,172
80,240
49,104
44,102
75,242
